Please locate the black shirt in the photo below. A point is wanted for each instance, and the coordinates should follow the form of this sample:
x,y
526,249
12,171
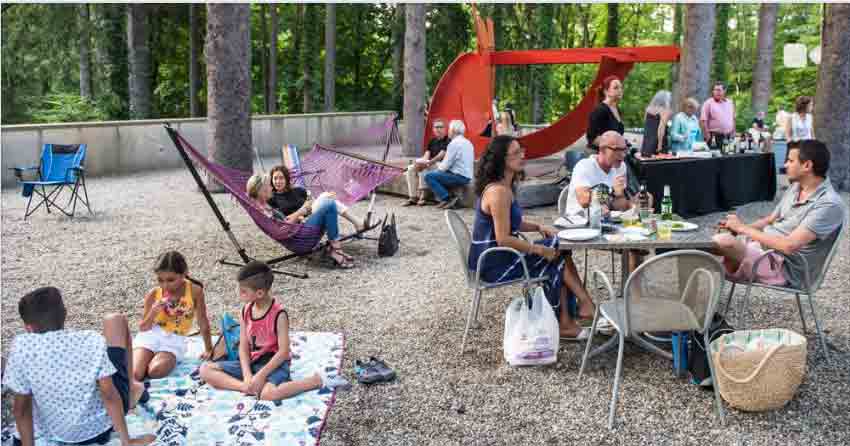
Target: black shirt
x,y
759,123
602,119
289,201
435,146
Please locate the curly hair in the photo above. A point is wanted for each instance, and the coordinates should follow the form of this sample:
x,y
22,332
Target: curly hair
x,y
801,105
491,166
282,169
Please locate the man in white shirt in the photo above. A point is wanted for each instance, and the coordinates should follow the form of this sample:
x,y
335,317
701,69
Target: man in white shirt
x,y
608,168
455,169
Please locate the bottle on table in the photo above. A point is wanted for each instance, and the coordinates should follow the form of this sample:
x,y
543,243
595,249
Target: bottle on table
x,y
595,210
644,210
667,204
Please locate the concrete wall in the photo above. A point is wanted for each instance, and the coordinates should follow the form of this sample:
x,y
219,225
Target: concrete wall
x,y
118,147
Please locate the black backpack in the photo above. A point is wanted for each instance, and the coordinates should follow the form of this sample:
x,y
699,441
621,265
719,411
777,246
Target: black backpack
x,y
388,240
698,369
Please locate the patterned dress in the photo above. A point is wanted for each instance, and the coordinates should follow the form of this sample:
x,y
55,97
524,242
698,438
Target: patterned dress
x,y
504,266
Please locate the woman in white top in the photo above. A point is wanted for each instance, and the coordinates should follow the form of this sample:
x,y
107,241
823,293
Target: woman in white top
x,y
799,125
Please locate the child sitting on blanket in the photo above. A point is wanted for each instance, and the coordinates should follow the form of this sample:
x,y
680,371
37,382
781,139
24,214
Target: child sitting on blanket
x,y
264,360
75,385
170,310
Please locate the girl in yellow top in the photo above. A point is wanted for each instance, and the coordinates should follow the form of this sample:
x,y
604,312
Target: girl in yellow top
x,y
170,310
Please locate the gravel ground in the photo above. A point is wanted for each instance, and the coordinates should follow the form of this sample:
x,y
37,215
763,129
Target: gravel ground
x,y
410,310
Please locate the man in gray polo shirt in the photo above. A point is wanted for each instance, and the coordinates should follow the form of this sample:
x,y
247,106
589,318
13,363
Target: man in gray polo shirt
x,y
806,221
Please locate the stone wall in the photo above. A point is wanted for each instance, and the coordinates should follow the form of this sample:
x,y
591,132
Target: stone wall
x,y
121,147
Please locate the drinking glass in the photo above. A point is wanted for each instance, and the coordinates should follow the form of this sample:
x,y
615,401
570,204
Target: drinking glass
x,y
665,229
644,213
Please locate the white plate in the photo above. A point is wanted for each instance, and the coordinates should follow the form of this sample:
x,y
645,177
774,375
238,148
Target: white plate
x,y
636,230
686,226
579,235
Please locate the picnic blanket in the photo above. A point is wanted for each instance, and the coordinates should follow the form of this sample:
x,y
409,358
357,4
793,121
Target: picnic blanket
x,y
184,411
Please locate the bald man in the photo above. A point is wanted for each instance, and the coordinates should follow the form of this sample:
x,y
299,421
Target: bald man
x,y
608,168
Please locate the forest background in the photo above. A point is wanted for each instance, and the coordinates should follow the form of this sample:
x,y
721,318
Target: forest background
x,y
72,62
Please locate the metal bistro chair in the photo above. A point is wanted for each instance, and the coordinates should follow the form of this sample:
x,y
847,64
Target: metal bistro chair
x,y
809,288
463,240
675,291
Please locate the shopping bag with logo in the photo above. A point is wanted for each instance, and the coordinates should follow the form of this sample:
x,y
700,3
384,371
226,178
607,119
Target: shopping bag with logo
x,y
531,333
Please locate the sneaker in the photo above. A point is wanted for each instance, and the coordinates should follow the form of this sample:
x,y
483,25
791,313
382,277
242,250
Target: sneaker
x,y
334,382
387,374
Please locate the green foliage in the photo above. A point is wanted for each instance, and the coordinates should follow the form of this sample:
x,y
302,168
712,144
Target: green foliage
x,y
721,43
63,107
40,56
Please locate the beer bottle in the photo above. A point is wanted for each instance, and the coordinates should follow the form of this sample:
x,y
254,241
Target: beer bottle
x,y
667,204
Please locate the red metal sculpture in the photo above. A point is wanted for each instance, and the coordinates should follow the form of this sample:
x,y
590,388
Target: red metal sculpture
x,y
466,89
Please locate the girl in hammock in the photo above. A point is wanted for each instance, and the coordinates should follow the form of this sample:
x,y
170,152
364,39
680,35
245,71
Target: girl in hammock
x,y
323,214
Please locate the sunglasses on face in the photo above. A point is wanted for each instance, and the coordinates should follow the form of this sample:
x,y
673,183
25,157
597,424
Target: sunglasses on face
x,y
617,149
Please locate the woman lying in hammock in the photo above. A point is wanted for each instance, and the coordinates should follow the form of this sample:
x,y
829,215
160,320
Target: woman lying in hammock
x,y
321,213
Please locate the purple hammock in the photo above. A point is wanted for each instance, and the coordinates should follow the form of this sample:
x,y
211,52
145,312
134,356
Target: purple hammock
x,y
356,176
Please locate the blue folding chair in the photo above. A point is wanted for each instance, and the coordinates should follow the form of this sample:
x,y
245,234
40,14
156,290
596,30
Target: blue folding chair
x,y
62,166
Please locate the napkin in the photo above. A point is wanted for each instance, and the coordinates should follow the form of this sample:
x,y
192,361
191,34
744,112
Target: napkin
x,y
570,221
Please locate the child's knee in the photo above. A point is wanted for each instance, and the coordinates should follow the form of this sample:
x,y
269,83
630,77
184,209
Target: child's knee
x,y
208,368
115,320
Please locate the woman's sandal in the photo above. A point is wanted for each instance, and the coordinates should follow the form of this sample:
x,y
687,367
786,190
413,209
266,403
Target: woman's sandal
x,y
342,261
410,202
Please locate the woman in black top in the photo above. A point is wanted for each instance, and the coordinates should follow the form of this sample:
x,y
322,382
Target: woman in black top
x,y
296,204
606,115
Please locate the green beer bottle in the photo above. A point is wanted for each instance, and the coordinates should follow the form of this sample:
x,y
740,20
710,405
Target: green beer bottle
x,y
667,204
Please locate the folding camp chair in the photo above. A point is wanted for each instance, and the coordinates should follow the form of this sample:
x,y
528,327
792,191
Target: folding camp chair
x,y
61,167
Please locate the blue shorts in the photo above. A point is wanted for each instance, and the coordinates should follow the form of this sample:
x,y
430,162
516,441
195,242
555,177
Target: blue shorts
x,y
234,369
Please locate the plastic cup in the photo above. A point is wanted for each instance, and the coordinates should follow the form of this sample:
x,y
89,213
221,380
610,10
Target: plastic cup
x,y
665,229
644,213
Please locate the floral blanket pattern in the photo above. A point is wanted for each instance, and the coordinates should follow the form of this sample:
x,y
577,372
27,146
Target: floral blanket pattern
x,y
184,411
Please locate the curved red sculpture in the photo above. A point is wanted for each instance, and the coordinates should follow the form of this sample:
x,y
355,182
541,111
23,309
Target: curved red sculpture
x,y
466,89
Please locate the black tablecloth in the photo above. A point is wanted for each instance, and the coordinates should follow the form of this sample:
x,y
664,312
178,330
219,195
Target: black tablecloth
x,y
704,186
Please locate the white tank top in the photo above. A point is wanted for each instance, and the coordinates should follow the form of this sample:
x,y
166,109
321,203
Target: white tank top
x,y
801,128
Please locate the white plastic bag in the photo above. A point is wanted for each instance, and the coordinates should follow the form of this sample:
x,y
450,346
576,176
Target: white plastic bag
x,y
531,335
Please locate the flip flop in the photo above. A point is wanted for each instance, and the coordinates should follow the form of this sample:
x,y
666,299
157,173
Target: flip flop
x,y
410,202
422,203
582,336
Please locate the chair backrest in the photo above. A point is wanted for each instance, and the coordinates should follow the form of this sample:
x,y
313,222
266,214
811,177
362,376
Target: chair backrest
x,y
689,279
57,160
572,157
460,234
562,200
821,274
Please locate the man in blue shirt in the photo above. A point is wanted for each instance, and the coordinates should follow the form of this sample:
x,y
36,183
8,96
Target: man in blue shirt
x,y
455,169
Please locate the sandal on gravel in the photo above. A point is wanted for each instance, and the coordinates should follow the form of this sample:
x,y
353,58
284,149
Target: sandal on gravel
x,y
581,336
409,202
387,374
339,260
422,202
366,374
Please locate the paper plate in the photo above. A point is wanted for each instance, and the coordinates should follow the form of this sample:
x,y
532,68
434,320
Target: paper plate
x,y
579,235
686,226
636,230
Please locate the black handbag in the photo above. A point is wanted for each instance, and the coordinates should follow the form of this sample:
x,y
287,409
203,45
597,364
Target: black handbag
x,y
388,240
698,369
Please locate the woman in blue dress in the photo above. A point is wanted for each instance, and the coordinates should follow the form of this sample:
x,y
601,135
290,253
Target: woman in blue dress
x,y
498,217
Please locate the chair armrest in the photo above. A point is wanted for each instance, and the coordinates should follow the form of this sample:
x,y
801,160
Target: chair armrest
x,y
19,171
78,168
494,250
522,237
807,282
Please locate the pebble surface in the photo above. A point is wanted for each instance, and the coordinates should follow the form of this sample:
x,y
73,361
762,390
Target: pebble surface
x,y
410,310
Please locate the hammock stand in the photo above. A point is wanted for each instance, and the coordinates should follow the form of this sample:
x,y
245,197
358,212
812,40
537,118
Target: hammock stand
x,y
178,141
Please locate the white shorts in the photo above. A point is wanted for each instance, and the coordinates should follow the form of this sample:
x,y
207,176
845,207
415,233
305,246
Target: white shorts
x,y
158,340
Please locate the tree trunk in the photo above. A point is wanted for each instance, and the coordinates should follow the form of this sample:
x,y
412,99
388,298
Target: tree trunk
x,y
140,60
85,52
721,44
832,101
414,79
330,57
293,67
112,54
264,65
228,52
695,63
612,31
306,59
398,57
194,71
674,68
763,70
272,84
